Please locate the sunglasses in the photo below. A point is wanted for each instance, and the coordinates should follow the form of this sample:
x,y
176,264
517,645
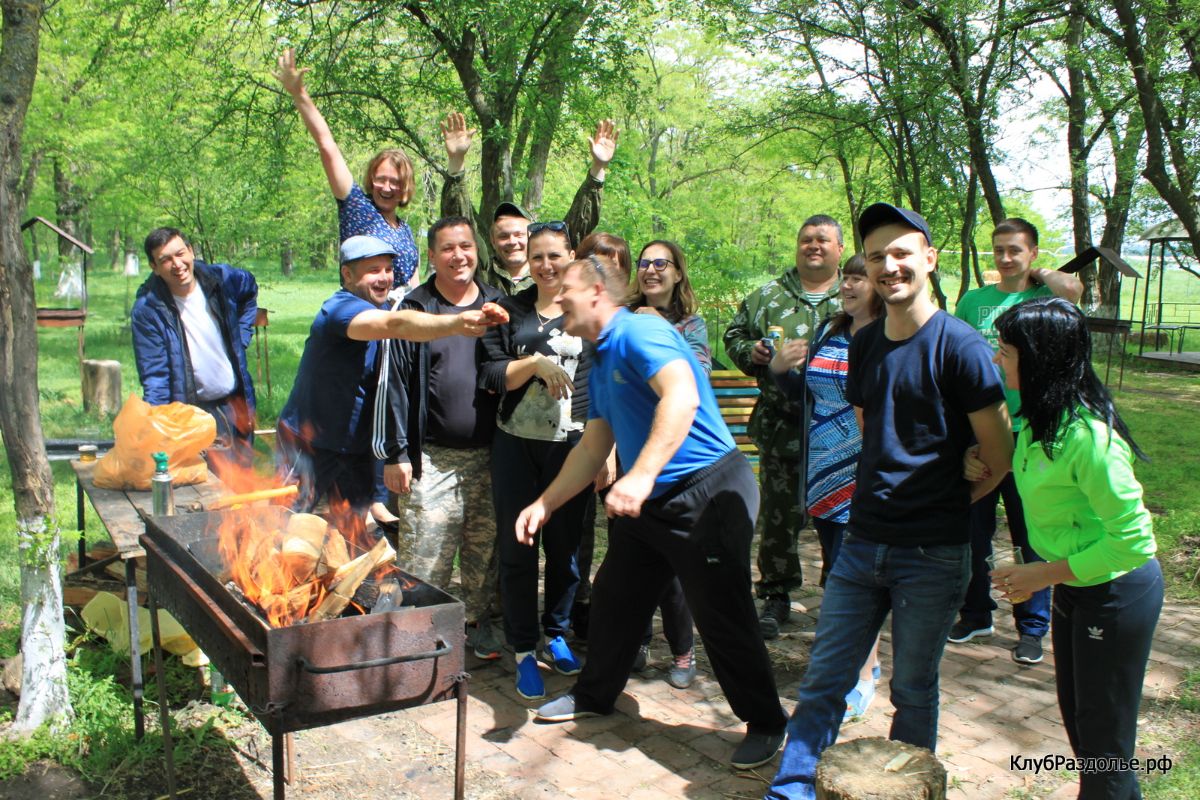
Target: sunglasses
x,y
659,264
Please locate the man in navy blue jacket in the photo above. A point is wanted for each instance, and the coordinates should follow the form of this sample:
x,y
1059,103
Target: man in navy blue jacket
x,y
192,322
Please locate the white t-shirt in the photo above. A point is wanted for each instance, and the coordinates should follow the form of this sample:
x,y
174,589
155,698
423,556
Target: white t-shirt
x,y
210,363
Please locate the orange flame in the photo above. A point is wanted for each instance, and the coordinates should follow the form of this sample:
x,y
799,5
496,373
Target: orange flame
x,y
285,583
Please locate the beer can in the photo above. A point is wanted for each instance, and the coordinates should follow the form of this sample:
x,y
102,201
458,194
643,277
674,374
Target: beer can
x,y
775,333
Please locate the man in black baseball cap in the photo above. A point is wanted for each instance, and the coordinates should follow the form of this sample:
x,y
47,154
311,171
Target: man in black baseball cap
x,y
924,389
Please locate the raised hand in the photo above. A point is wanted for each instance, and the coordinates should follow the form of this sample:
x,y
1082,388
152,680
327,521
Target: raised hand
x,y
288,74
604,143
457,138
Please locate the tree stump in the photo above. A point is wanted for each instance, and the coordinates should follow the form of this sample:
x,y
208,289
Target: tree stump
x,y
879,769
102,386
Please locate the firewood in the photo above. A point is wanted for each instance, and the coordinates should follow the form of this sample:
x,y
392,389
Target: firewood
x,y
334,554
347,578
232,500
302,545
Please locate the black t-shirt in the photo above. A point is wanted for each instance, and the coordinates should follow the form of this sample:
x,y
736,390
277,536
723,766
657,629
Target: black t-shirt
x,y
915,395
459,413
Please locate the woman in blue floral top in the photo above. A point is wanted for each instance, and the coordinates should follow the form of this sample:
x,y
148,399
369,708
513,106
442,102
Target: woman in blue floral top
x,y
388,178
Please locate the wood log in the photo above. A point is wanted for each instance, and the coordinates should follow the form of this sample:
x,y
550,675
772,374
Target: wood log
x,y
334,553
101,386
347,579
117,570
233,500
302,545
879,769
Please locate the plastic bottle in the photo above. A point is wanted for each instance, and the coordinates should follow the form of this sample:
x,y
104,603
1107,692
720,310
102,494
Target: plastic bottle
x,y
222,692
162,495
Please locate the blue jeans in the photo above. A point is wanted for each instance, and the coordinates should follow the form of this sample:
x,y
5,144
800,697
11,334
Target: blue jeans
x,y
923,588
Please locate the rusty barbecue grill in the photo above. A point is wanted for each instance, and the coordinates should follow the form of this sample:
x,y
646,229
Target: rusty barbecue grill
x,y
306,675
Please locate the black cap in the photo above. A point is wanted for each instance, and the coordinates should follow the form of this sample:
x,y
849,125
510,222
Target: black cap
x,y
507,209
881,214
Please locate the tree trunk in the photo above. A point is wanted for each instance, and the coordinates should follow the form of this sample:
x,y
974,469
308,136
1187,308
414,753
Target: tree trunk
x,y
44,696
68,207
116,260
287,259
495,172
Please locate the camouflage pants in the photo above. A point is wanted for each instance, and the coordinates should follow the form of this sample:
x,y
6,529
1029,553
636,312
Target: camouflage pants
x,y
780,520
450,512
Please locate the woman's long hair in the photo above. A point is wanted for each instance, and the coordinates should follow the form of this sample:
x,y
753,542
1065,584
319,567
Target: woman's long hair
x,y
1054,365
841,321
683,298
609,245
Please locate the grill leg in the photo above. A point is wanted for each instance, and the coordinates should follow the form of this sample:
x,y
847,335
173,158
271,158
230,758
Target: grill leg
x,y
164,715
277,766
80,522
460,737
289,748
135,656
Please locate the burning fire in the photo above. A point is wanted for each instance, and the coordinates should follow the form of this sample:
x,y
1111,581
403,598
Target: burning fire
x,y
305,571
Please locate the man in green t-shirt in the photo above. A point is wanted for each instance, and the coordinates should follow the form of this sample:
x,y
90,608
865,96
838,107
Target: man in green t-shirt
x,y
1015,248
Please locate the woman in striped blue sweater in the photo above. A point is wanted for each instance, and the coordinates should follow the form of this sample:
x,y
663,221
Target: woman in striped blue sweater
x,y
815,379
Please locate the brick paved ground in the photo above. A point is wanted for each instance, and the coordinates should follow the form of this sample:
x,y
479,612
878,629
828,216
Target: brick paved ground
x,y
666,743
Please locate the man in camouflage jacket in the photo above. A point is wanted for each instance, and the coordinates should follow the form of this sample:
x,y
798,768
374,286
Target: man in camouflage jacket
x,y
502,241
796,301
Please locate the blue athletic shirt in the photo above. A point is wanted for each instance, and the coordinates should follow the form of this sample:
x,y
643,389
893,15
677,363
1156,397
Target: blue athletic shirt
x,y
915,395
334,391
631,350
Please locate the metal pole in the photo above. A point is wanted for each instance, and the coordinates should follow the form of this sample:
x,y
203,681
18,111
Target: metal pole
x,y
277,766
135,656
80,522
164,715
460,737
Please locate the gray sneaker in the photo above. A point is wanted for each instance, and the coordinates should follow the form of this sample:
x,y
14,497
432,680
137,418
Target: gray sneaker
x,y
683,670
757,749
562,709
481,638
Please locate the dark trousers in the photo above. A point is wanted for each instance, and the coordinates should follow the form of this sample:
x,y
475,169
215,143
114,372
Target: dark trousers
x,y
699,530
233,449
321,473
677,620
1032,617
587,549
1102,636
521,470
830,534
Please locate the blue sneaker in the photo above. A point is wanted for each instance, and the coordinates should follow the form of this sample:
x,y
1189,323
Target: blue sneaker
x,y
529,679
558,654
859,700
876,672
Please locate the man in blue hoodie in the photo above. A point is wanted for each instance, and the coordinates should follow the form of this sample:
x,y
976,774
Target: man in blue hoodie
x,y
192,322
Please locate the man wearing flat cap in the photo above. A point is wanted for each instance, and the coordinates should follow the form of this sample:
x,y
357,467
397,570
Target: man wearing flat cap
x,y
331,429
924,389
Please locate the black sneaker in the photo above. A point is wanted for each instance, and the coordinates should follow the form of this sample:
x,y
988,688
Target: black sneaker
x,y
642,660
1028,650
965,632
757,749
776,610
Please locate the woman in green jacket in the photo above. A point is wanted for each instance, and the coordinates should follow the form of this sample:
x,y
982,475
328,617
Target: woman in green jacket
x,y
1073,466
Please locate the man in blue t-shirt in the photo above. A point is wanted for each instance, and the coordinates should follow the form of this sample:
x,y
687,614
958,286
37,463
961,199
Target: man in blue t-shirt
x,y
330,425
923,386
684,507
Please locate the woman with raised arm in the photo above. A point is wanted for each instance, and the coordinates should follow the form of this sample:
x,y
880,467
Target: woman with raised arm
x,y
1083,506
388,178
540,372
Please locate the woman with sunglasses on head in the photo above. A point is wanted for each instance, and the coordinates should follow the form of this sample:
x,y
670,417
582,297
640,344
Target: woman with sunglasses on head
x,y
815,377
1073,466
389,179
540,372
663,289
615,250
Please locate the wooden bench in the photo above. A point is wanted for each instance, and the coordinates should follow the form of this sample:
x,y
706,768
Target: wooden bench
x,y
736,395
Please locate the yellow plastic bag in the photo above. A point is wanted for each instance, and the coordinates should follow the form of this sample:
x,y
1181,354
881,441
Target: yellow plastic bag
x,y
108,616
140,430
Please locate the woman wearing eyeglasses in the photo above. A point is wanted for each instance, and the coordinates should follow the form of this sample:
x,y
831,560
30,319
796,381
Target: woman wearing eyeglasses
x,y
663,289
389,179
541,374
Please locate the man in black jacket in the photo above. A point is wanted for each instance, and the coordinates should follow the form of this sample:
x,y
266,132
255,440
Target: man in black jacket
x,y
445,505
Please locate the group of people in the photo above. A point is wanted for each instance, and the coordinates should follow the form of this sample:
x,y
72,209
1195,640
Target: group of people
x,y
481,416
